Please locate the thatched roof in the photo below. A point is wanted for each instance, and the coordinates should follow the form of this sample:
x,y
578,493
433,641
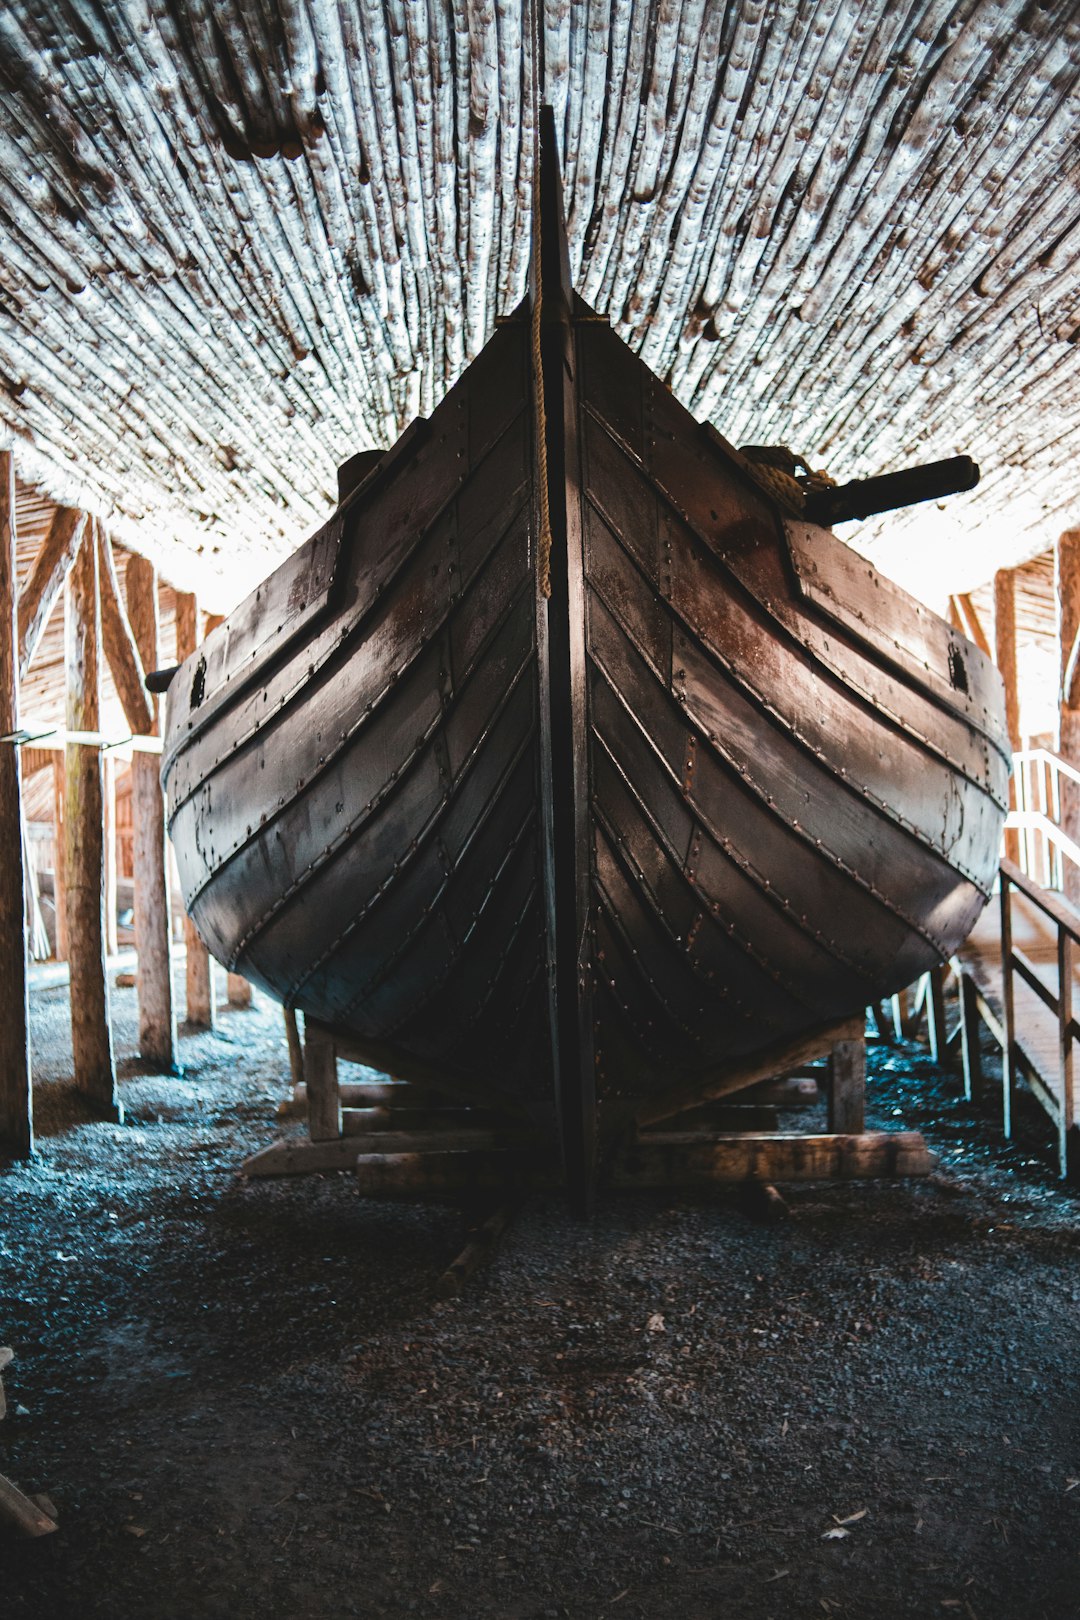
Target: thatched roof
x,y
241,241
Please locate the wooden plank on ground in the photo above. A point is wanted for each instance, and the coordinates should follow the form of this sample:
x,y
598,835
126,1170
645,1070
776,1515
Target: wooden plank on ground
x,y
686,1159
298,1156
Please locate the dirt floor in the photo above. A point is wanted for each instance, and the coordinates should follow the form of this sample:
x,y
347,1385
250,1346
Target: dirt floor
x,y
244,1402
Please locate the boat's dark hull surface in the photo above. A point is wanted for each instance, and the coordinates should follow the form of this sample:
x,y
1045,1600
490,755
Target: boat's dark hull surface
x,y
771,784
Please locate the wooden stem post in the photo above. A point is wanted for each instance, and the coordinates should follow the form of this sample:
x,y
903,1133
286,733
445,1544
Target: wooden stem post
x,y
84,854
1067,570
200,967
16,1097
157,1018
1005,651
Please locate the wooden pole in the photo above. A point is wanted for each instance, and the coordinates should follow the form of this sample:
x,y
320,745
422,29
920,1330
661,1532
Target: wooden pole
x,y
153,933
16,1096
59,863
200,967
112,942
1005,656
84,858
1067,582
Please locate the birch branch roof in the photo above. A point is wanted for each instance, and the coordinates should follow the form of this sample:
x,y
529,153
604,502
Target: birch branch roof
x,y
242,240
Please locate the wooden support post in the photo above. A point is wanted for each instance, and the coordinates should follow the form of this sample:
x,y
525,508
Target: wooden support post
x,y
201,1010
296,1054
1008,1056
84,859
112,943
898,1003
1066,1050
1067,571
935,1013
59,874
238,990
153,932
320,1074
1005,656
969,1035
847,1087
16,1095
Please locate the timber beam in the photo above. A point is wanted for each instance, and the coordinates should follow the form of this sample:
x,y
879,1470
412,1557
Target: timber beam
x,y
84,855
199,976
45,581
16,1096
157,1017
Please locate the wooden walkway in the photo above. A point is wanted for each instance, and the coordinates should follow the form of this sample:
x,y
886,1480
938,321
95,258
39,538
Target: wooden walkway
x,y
1043,930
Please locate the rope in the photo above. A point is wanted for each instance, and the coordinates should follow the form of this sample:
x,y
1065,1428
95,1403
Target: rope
x,y
543,546
788,492
785,490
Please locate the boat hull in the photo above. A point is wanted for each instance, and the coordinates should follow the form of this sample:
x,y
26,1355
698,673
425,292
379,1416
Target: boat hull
x,y
579,853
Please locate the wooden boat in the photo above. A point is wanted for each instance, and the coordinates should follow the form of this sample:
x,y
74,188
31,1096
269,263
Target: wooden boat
x,y
565,767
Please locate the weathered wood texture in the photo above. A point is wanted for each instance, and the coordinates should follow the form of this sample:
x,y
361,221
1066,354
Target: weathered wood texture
x,y
112,943
153,931
1067,583
84,854
199,972
125,662
1005,658
16,1095
683,1159
320,1075
59,861
741,179
39,594
19,1510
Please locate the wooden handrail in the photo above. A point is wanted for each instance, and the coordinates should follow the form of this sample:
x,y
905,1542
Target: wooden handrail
x,y
1060,912
1066,921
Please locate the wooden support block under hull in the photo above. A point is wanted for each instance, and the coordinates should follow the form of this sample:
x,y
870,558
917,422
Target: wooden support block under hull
x,y
392,1094
765,1065
690,1159
796,1091
293,1158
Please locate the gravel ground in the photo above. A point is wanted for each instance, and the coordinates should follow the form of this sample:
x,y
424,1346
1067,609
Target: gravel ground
x,y
244,1401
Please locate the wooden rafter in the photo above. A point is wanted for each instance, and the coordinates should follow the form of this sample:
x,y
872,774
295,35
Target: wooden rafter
x,y
46,579
120,646
972,624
